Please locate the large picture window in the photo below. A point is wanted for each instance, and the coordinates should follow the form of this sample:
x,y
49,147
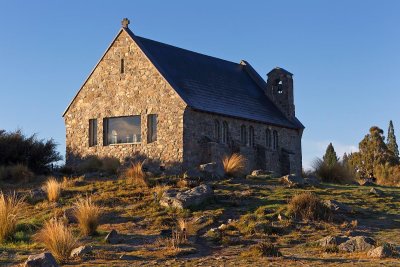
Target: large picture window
x,y
151,128
122,130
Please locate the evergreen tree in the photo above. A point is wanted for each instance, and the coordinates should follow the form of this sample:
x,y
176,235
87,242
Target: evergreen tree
x,y
330,158
391,141
345,159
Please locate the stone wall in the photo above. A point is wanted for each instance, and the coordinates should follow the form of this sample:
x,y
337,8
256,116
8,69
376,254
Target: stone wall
x,y
198,125
140,90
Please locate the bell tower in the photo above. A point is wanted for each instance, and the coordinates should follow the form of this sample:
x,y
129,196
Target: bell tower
x,y
280,91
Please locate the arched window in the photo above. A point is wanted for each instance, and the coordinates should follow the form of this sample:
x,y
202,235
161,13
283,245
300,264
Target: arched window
x,y
268,138
225,132
275,140
251,136
243,135
217,131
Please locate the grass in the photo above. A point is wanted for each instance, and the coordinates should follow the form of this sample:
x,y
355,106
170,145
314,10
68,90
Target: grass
x,y
11,210
87,213
136,175
57,238
234,164
308,206
53,189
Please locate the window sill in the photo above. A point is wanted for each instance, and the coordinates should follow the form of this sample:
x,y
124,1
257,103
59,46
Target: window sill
x,y
121,144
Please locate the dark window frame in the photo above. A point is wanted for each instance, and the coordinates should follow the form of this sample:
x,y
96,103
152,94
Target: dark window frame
x,y
92,132
106,131
152,120
251,136
243,135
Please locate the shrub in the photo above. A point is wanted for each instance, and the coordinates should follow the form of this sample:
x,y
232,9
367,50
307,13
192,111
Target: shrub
x,y
57,238
136,175
263,249
308,206
90,164
16,148
11,209
110,165
387,174
53,189
336,173
234,164
17,173
87,213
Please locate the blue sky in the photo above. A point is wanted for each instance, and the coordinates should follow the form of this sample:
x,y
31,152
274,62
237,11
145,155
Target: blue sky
x,y
344,55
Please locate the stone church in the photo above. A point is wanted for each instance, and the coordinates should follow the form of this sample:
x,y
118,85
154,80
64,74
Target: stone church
x,y
182,108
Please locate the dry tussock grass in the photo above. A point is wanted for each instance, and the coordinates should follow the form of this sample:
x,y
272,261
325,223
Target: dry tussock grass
x,y
234,164
57,238
11,210
87,213
136,175
53,189
308,206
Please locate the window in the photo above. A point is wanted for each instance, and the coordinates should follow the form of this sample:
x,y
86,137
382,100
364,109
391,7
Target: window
x,y
151,128
92,132
122,130
268,138
243,135
217,131
251,136
122,67
225,132
275,140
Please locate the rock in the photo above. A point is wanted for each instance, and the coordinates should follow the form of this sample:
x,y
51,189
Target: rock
x,y
41,260
358,243
81,251
113,237
376,192
312,181
336,206
128,257
384,251
37,194
332,240
293,180
212,169
222,226
281,217
185,199
259,172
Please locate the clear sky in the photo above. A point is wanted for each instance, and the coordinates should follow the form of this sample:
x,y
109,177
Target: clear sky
x,y
345,56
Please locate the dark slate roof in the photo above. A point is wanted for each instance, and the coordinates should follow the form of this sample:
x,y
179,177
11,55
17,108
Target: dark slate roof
x,y
213,85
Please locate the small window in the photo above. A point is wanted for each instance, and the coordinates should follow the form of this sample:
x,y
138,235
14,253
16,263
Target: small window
x,y
92,132
225,132
268,138
122,130
151,128
275,135
243,135
251,136
217,131
122,67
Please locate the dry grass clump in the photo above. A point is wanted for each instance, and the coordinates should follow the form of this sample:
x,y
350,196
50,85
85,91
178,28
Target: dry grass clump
x,y
57,238
11,209
53,189
136,175
308,206
234,164
263,249
87,213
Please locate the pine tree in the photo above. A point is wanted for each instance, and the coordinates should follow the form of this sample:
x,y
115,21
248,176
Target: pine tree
x,y
345,159
330,158
391,141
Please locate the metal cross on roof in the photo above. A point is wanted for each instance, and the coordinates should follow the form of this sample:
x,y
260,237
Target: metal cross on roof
x,y
125,22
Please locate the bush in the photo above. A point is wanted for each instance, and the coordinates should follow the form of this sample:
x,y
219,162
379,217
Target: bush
x,y
53,189
263,249
136,175
57,238
16,173
93,163
11,208
16,148
336,173
87,213
234,164
110,165
387,175
308,206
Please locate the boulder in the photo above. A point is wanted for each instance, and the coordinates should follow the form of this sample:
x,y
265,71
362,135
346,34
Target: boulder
x,y
81,251
212,169
192,197
259,172
380,252
336,206
332,240
41,260
293,181
376,192
113,237
358,243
